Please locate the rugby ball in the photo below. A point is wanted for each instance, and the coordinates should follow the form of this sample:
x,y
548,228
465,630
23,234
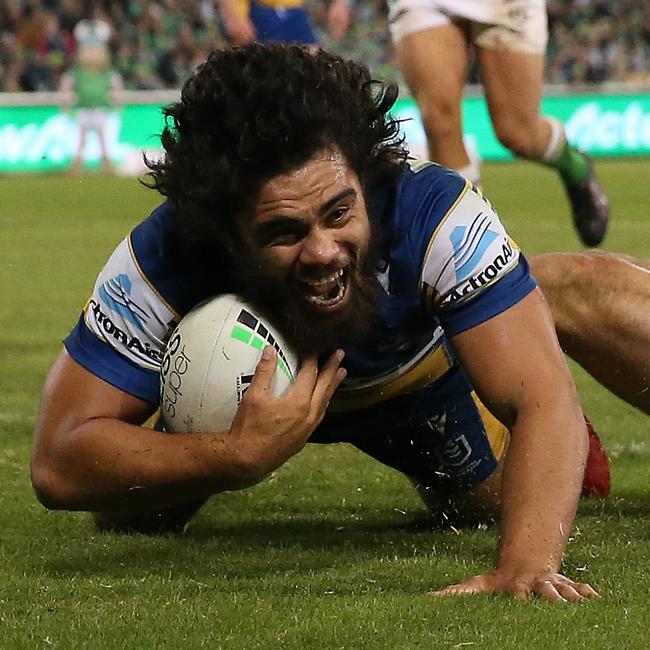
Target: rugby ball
x,y
209,361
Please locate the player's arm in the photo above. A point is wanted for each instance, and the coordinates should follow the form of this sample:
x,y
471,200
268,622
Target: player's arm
x,y
517,368
91,452
338,18
239,25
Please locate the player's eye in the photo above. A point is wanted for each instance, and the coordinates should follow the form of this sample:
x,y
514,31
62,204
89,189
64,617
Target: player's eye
x,y
283,239
286,236
339,215
281,232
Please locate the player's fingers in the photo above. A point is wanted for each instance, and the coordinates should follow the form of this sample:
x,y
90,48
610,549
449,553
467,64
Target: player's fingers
x,y
265,370
582,588
452,590
568,592
468,588
547,590
521,592
586,590
328,381
306,378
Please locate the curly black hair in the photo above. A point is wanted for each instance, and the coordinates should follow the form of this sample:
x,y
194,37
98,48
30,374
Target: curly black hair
x,y
251,113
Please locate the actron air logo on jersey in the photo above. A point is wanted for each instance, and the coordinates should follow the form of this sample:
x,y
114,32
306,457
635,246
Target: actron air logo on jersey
x,y
470,244
481,256
116,295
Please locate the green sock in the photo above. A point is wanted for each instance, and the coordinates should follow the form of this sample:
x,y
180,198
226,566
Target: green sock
x,y
572,165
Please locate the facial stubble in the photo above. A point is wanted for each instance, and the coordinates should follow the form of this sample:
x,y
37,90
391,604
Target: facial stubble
x,y
308,329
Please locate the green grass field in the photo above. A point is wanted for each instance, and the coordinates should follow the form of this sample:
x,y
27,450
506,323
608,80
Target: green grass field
x,y
324,554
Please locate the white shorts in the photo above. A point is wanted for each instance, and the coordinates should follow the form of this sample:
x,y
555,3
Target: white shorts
x,y
92,118
510,25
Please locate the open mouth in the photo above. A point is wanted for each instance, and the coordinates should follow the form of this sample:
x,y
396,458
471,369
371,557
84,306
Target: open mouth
x,y
328,292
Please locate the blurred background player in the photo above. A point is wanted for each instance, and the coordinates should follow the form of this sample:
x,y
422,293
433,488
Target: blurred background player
x,y
155,44
434,41
601,308
280,21
91,86
94,28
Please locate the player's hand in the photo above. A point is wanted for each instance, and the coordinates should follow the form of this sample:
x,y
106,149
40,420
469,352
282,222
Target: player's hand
x,y
550,586
269,430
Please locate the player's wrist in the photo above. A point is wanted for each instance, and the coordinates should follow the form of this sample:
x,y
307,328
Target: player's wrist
x,y
530,564
244,463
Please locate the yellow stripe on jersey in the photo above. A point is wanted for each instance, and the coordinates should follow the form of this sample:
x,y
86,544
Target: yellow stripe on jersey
x,y
498,434
427,370
97,335
281,4
479,192
431,297
150,422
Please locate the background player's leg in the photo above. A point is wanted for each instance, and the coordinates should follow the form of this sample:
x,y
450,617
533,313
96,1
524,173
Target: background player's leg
x,y
102,123
513,87
434,63
601,307
77,162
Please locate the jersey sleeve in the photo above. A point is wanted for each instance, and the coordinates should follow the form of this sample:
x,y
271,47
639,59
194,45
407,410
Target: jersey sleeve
x,y
472,270
122,331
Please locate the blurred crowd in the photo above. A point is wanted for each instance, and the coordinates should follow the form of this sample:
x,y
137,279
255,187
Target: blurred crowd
x,y
153,43
156,44
599,40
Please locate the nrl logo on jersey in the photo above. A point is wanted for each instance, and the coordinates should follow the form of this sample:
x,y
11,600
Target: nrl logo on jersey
x,y
455,452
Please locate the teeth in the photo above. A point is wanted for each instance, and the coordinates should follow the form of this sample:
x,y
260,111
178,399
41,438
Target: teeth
x,y
323,300
332,278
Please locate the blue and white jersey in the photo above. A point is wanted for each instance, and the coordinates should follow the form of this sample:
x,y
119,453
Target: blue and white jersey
x,y
447,266
139,297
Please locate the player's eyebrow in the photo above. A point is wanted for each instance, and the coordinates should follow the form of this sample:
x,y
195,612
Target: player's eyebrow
x,y
330,203
281,223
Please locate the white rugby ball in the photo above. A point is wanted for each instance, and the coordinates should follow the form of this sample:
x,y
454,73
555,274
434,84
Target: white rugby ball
x,y
209,363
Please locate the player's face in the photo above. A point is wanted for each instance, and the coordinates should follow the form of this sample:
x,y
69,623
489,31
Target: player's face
x,y
309,238
310,230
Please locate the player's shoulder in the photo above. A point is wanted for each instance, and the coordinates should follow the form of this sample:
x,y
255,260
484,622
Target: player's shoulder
x,y
154,246
148,238
423,177
425,193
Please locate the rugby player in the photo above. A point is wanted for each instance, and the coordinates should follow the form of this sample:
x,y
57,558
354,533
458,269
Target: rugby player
x,y
280,21
601,308
434,41
286,181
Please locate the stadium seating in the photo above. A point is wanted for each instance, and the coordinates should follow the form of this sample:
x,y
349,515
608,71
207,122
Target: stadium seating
x,y
156,44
